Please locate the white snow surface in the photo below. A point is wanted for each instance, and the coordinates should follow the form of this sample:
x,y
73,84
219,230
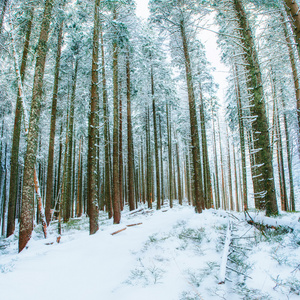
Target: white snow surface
x,y
174,254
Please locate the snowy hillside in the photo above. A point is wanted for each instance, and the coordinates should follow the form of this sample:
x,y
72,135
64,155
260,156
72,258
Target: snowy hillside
x,y
172,254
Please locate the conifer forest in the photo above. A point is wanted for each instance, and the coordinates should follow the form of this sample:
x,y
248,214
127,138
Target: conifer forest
x,y
177,121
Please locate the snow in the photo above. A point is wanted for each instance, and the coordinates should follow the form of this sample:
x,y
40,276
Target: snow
x,y
174,254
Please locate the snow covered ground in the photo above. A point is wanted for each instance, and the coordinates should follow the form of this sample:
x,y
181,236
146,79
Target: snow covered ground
x,y
174,254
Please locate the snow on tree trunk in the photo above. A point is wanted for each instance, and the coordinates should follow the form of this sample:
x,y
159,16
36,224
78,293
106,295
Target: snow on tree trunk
x,y
92,188
27,209
264,188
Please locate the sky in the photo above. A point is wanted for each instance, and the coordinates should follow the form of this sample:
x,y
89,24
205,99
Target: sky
x,y
142,9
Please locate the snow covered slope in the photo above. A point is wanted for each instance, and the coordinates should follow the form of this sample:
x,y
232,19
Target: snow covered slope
x,y
173,254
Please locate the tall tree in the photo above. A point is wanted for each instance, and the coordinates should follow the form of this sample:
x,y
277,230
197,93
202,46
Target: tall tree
x,y
116,181
92,188
49,190
264,187
14,161
157,174
26,224
3,9
130,155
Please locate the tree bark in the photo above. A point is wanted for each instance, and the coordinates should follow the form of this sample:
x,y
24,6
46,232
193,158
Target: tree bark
x,y
26,224
130,158
199,203
157,172
68,194
14,161
49,191
116,182
293,61
294,15
107,169
206,168
242,139
169,156
4,6
92,189
217,187
264,188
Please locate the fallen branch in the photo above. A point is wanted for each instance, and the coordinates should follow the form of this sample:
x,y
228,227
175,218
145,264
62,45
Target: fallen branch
x,y
238,272
225,255
131,225
119,231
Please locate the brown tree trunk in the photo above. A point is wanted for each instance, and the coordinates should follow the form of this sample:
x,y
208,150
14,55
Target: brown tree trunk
x,y
68,194
92,189
14,161
157,172
293,61
116,182
161,164
130,159
4,6
229,174
199,203
264,188
237,207
49,190
206,169
121,176
294,15
79,198
178,175
148,161
26,218
107,169
242,140
217,187
169,157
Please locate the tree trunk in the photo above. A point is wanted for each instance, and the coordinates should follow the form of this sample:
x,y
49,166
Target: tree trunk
x,y
121,176
237,207
92,189
193,123
79,199
206,169
264,188
157,172
178,175
242,140
116,182
4,194
130,158
169,157
229,174
161,164
281,173
26,224
68,194
217,187
107,169
294,15
4,6
14,161
293,61
49,192
148,161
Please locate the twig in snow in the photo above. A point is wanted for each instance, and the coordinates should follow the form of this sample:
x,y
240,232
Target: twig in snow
x,y
119,231
131,225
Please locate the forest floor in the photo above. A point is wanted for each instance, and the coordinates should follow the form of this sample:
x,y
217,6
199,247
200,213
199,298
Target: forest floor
x,y
173,254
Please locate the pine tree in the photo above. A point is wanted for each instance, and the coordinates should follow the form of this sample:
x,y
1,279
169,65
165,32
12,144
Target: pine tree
x,y
26,224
